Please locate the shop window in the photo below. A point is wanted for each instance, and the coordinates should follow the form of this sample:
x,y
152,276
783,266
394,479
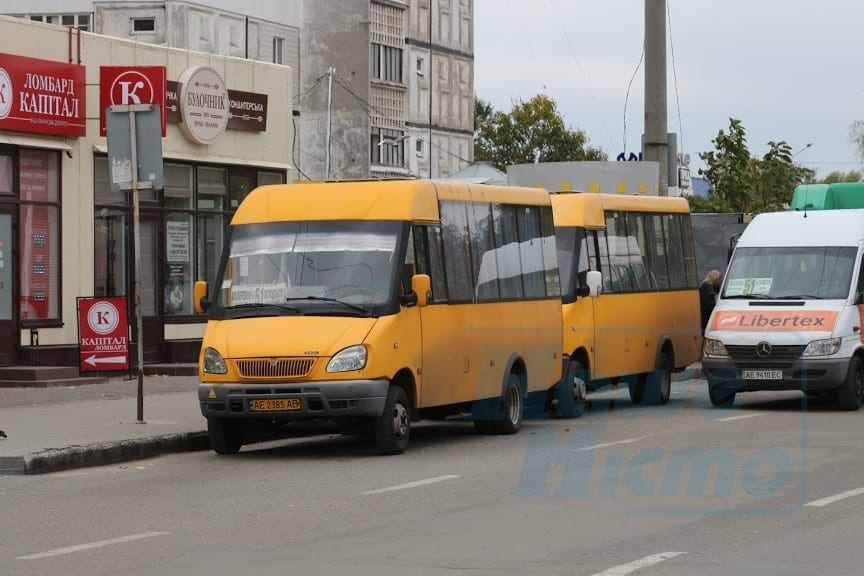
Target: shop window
x,y
111,250
211,188
6,168
266,178
178,186
178,258
39,235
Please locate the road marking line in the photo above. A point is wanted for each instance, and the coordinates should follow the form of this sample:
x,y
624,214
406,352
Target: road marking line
x,y
645,562
835,498
90,546
608,444
412,484
741,417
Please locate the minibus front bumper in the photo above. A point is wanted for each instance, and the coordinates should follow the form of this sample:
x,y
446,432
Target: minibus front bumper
x,y
302,401
807,375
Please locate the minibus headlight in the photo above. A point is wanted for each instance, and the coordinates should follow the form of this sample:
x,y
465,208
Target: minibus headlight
x,y
714,348
213,362
822,347
351,358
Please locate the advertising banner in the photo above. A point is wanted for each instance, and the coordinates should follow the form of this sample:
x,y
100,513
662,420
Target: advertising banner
x,y
124,85
42,96
103,334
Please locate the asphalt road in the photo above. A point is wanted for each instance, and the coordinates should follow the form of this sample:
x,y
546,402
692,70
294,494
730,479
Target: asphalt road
x,y
767,487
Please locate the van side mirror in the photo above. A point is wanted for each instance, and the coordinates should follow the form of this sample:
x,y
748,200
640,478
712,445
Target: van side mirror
x,y
421,285
859,298
200,297
594,280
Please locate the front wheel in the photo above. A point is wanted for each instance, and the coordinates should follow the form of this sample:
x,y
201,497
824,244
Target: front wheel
x,y
570,392
851,394
393,428
226,436
658,384
721,395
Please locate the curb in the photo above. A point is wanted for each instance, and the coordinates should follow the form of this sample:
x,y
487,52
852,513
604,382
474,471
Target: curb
x,y
101,454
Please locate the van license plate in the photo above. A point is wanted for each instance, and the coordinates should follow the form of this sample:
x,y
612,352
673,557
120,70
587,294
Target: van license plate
x,y
762,375
275,405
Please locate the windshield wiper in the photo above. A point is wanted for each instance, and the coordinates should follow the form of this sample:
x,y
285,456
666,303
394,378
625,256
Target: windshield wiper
x,y
749,297
800,297
334,300
262,306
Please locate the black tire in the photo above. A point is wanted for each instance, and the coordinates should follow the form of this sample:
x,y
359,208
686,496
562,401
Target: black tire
x,y
570,392
393,428
721,395
484,426
636,387
226,436
658,384
512,408
851,394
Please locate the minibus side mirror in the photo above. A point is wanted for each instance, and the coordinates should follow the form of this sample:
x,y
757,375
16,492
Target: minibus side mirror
x,y
594,279
409,299
421,285
200,297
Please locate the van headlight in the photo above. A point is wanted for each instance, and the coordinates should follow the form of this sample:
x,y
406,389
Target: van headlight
x,y
714,348
347,359
827,347
213,362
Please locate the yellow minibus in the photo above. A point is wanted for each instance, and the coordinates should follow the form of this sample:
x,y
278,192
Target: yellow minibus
x,y
374,304
629,291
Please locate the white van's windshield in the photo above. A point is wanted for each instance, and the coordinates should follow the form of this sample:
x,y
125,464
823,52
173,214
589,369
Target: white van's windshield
x,y
800,273
310,267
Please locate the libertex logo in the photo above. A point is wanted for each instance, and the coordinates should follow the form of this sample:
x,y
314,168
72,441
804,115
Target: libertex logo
x,y
788,320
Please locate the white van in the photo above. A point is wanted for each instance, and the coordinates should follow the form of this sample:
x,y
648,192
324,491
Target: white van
x,y
789,314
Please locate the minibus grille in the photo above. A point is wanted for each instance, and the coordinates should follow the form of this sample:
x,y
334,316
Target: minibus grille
x,y
275,367
747,356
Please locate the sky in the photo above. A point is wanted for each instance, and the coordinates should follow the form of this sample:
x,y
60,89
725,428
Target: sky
x,y
790,70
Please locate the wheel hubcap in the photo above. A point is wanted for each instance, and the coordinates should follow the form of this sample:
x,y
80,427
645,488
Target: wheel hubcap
x,y
400,421
580,390
514,405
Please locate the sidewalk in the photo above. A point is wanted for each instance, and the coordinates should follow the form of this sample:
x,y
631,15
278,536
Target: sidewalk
x,y
58,428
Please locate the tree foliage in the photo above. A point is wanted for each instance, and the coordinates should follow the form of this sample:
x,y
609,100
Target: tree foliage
x,y
743,183
531,131
837,176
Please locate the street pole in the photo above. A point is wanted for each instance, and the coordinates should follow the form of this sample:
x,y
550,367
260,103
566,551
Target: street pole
x,y
136,221
656,145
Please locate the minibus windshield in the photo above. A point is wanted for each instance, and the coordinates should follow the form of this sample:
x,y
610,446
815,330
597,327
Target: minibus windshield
x,y
790,273
323,267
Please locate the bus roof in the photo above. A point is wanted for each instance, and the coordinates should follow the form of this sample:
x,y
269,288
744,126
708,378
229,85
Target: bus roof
x,y
839,195
586,208
404,200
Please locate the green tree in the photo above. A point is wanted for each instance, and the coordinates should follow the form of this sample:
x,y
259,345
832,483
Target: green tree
x,y
741,183
532,130
837,176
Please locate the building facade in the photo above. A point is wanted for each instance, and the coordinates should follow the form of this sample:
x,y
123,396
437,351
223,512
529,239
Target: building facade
x,y
386,89
66,232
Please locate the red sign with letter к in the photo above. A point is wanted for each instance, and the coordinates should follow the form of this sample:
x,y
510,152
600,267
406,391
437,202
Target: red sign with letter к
x,y
103,334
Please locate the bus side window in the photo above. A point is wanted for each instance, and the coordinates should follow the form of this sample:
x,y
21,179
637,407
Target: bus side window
x,y
584,262
428,259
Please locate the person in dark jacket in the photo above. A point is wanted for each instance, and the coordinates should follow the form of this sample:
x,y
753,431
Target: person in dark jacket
x,y
708,291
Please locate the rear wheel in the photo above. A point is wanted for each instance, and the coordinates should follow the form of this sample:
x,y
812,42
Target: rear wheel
x,y
636,387
658,384
851,394
512,407
393,428
226,436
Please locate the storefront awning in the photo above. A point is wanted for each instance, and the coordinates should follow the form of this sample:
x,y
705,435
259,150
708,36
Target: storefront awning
x,y
103,149
32,141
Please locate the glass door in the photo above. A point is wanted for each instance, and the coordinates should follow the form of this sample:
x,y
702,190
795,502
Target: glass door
x,y
8,327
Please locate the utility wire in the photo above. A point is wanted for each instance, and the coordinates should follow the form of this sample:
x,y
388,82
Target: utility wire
x,y
627,97
368,108
582,72
527,48
675,76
